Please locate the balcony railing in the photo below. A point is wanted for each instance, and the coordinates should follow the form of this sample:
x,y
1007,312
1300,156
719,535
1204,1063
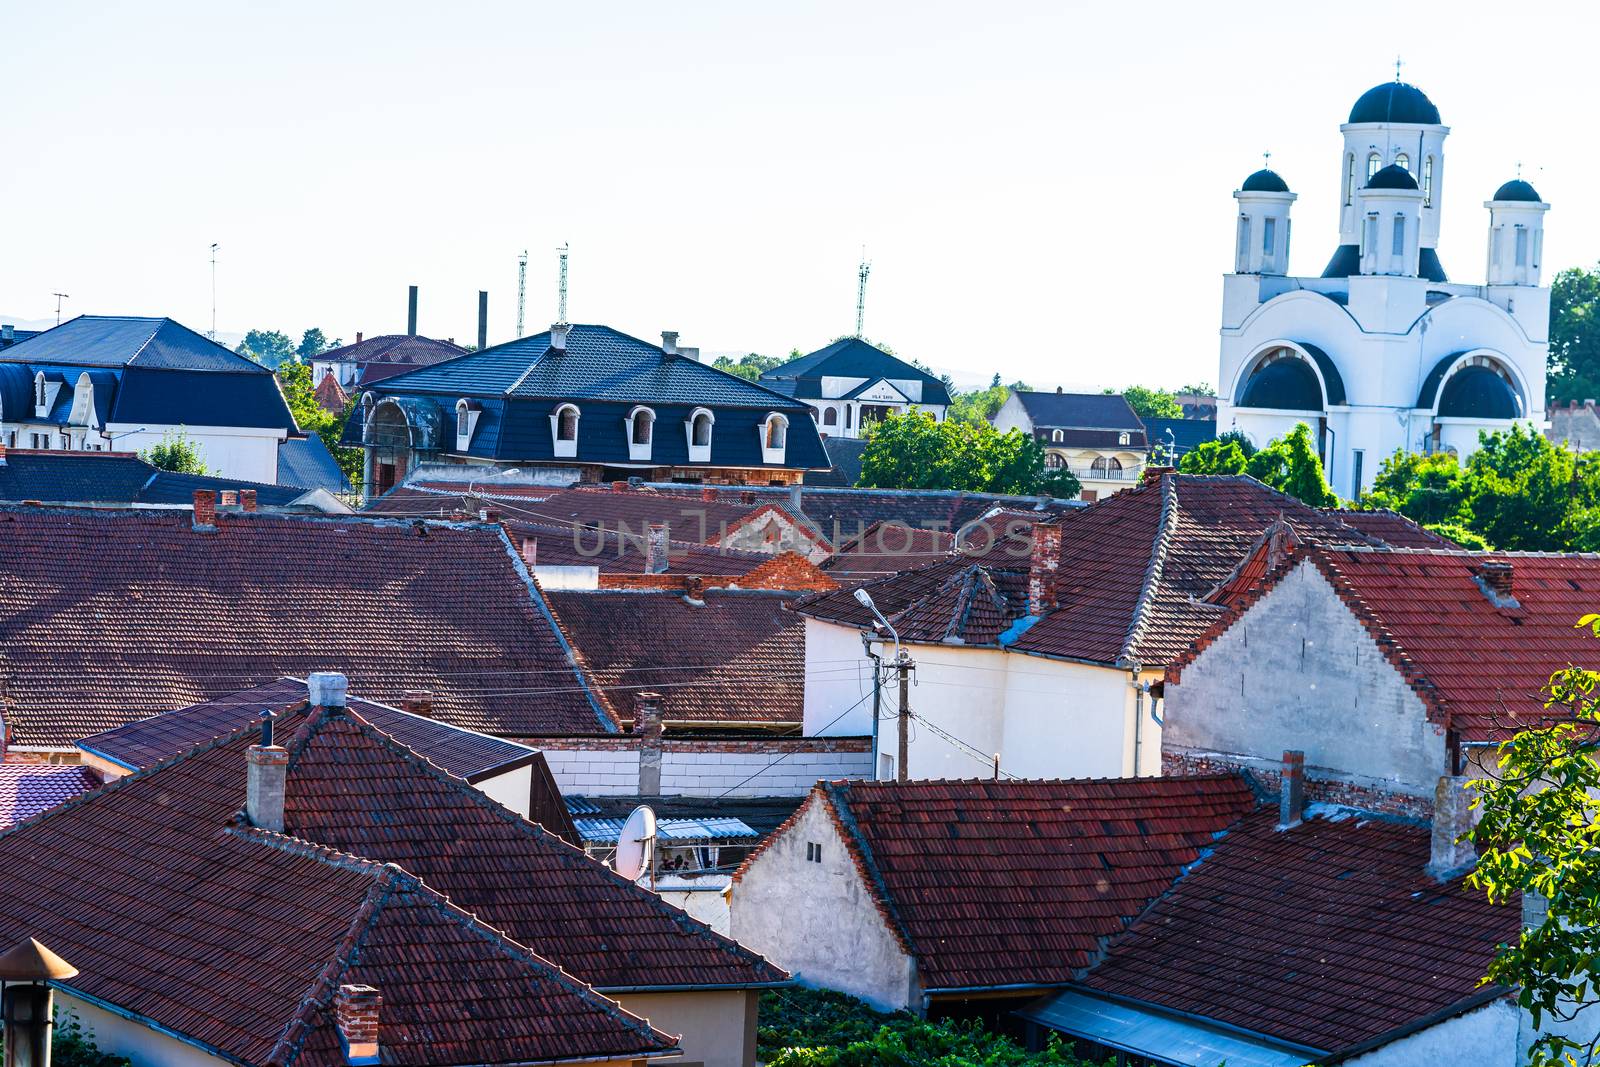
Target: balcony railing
x,y
1087,473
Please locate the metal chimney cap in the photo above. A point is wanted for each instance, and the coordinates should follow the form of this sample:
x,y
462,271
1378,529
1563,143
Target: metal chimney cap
x,y
32,962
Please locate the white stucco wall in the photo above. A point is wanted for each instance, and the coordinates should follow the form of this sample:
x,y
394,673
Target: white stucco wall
x,y
143,1045
1484,1037
1298,671
754,772
718,1028
228,452
838,680
710,906
818,920
514,789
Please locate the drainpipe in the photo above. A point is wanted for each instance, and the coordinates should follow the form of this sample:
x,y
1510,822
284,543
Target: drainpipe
x,y
1133,667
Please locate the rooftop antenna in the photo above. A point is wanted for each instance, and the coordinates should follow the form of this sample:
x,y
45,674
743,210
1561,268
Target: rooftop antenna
x,y
522,287
561,309
213,333
1266,160
861,290
1397,68
59,297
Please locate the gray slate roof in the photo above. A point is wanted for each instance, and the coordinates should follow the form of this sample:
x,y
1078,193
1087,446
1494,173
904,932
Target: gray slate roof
x,y
1090,411
128,340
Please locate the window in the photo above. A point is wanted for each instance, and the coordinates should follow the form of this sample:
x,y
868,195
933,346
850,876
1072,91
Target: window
x,y
1056,436
1244,242
1054,461
1349,178
830,417
1106,467
1403,160
567,424
1122,438
644,421
1369,237
849,412
1269,235
698,429
38,392
702,429
463,420
1356,456
1427,182
1398,242
1522,246
1374,162
777,431
813,852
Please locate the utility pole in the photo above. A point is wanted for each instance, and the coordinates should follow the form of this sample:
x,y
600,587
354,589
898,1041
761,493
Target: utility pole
x,y
213,334
522,287
861,290
59,297
903,664
561,310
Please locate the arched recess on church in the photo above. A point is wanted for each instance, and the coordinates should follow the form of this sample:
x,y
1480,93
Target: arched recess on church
x,y
1289,376
1476,384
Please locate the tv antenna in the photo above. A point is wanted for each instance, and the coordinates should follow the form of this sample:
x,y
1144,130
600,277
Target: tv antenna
x,y
213,334
59,297
522,287
861,290
561,309
636,846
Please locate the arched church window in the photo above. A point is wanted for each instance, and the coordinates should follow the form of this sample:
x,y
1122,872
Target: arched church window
x,y
1349,177
1374,163
1427,182
1403,160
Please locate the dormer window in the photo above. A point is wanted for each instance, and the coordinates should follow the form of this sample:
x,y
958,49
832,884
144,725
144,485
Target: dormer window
x,y
1055,437
41,403
564,431
467,412
1122,438
698,428
774,438
641,423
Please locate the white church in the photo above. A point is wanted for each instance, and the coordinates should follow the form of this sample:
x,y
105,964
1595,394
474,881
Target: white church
x,y
1383,351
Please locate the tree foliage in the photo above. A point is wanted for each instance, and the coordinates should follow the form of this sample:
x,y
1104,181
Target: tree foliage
x,y
1574,364
267,347
916,451
1289,464
818,1028
71,1046
1539,827
752,366
1517,492
981,405
1150,403
294,378
313,343
176,452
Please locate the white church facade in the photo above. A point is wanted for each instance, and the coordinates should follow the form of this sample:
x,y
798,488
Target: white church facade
x,y
1383,352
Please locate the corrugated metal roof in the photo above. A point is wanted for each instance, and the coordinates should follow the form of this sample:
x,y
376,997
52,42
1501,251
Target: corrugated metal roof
x,y
607,831
1152,1034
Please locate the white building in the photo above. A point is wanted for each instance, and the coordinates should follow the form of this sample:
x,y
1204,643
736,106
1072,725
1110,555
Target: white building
x,y
1097,436
1382,352
851,384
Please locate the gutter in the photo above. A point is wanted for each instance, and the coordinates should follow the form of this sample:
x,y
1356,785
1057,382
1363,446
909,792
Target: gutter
x,y
124,1013
1204,1021
101,755
787,983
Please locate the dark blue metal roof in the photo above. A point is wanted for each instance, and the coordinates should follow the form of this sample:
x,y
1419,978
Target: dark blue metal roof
x,y
307,463
1264,181
850,357
1470,392
1394,176
1088,411
1517,189
123,341
1395,102
1187,434
63,477
1346,263
201,398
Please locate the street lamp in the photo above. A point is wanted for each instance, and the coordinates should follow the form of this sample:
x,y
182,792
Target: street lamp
x,y
902,666
25,1001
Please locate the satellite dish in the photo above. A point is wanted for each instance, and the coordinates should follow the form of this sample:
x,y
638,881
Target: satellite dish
x,y
636,844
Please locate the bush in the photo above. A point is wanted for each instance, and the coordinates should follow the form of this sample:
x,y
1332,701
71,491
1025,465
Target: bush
x,y
71,1047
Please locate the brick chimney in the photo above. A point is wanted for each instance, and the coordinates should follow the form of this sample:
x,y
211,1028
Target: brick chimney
x,y
418,702
1042,562
247,499
530,552
694,590
1292,790
356,1011
655,560
358,337
1153,474
647,725
707,493
228,498
205,509
2,455
1453,819
267,772
1494,577
327,689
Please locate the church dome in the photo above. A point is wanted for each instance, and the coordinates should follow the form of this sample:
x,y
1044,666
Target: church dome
x,y
1264,181
1287,384
1394,176
1517,189
1479,393
1395,102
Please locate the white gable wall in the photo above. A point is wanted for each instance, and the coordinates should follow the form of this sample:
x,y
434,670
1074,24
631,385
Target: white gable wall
x,y
1485,1037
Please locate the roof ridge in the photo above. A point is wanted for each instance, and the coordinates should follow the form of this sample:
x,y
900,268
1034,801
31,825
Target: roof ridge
x,y
1153,570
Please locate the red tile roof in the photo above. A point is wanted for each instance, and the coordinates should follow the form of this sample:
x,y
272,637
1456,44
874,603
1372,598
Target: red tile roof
x,y
689,518
997,883
389,354
26,789
1479,667
270,926
103,611
1392,528
330,396
735,658
886,548
1325,935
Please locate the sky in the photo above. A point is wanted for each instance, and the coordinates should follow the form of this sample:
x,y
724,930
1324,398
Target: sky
x,y
1043,189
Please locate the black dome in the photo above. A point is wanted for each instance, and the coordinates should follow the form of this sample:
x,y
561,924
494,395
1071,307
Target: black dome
x,y
1395,102
1479,393
1289,384
1394,176
1517,189
1264,181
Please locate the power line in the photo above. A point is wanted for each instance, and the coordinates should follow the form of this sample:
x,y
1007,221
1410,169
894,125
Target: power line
x,y
786,755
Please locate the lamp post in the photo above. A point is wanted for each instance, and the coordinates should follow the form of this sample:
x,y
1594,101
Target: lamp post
x,y
903,665
25,1001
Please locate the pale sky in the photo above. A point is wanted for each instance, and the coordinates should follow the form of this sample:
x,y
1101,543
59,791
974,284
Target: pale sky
x,y
1044,189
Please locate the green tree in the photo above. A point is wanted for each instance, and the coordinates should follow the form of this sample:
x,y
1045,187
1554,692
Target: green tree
x,y
176,452
980,405
916,451
313,343
1574,362
1429,489
70,1046
267,347
1291,465
1198,389
1214,457
752,366
294,379
1151,403
1540,820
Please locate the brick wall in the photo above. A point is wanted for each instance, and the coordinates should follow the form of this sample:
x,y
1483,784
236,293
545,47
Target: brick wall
x,y
1320,786
609,766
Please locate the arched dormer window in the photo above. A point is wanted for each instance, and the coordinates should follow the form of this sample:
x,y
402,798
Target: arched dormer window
x,y
641,432
774,438
698,427
463,419
1427,182
1122,438
564,430
830,417
467,412
1374,164
40,401
1056,436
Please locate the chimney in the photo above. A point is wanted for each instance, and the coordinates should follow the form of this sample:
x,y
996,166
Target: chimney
x,y
707,493
694,591
358,337
411,313
1153,474
8,332
655,560
1058,390
267,769
747,496
619,486
530,552
418,702
1292,790
794,500
647,724
228,498
669,342
1042,562
1494,577
558,336
327,689
205,509
355,1010
2,455
247,499
1453,819
483,320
